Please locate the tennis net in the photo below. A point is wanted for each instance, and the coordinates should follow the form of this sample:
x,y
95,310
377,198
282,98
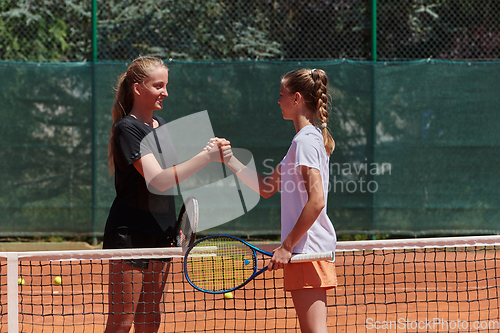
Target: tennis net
x,y
421,285
418,285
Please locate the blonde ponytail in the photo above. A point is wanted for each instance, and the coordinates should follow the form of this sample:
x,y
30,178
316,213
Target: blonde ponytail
x,y
124,98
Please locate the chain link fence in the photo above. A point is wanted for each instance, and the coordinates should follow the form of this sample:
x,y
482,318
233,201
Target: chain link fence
x,y
440,29
420,118
235,30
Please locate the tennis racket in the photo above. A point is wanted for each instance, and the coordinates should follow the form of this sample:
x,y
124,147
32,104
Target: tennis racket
x,y
187,223
220,263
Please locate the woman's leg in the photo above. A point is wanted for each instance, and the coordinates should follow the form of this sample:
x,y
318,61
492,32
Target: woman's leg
x,y
125,284
310,305
147,313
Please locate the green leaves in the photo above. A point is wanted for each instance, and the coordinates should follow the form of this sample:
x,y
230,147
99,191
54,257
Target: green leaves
x,y
208,30
44,30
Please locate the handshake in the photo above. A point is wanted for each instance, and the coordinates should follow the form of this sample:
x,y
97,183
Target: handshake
x,y
220,150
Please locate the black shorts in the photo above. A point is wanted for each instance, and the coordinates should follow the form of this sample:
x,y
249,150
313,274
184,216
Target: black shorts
x,y
127,238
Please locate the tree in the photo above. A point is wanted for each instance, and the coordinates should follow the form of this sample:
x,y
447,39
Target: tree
x,y
45,30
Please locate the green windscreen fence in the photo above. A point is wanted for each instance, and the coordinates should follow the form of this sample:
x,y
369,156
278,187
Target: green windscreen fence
x,y
417,143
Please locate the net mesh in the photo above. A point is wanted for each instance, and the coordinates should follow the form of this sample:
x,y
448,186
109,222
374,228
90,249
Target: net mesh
x,y
427,285
80,303
431,285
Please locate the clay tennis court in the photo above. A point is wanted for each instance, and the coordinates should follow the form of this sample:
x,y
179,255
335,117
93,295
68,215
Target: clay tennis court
x,y
444,290
79,304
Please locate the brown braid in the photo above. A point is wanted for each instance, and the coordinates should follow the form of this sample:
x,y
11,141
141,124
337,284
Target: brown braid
x,y
312,85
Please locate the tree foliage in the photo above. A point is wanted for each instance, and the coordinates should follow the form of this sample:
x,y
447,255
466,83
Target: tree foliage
x,y
60,30
45,30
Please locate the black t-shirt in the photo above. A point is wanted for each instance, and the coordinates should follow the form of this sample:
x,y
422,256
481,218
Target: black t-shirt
x,y
136,206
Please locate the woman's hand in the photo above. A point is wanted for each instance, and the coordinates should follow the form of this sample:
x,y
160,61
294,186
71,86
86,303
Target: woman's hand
x,y
280,258
225,148
211,143
212,148
219,150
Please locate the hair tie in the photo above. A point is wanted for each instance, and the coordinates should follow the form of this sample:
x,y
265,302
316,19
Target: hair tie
x,y
312,71
323,125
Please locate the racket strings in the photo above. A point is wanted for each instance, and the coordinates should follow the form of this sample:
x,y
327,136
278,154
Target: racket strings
x,y
220,264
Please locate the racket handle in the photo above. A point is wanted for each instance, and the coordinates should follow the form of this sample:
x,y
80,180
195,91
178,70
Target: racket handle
x,y
307,257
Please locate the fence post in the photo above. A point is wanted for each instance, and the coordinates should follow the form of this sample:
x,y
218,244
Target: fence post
x,y
372,143
94,121
374,30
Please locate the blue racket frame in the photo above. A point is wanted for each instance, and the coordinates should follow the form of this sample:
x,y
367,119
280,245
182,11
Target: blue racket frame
x,y
254,274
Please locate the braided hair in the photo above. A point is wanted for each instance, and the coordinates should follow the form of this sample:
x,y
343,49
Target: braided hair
x,y
312,85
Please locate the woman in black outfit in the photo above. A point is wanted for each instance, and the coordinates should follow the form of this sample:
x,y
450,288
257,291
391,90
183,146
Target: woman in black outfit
x,y
142,217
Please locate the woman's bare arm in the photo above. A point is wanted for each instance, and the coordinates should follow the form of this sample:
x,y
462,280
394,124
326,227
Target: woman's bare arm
x,y
265,186
163,179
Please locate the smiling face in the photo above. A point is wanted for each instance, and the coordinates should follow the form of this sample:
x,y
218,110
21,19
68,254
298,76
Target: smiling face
x,y
152,91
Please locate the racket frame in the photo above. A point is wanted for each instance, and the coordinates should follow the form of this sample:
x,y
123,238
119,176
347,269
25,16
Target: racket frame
x,y
254,253
295,258
192,217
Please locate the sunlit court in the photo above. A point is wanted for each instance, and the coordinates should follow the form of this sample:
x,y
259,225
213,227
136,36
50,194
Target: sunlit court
x,y
249,166
434,283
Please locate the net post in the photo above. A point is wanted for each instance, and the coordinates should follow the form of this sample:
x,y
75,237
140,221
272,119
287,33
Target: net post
x,y
12,292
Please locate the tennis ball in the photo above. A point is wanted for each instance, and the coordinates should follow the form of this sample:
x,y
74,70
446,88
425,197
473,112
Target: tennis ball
x,y
58,280
20,281
228,295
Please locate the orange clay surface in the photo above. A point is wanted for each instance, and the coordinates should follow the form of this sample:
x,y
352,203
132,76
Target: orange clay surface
x,y
452,287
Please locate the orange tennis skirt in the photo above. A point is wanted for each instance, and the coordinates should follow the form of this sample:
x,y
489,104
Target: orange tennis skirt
x,y
315,274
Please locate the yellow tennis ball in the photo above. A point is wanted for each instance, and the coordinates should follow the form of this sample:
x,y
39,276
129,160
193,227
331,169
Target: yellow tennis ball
x,y
58,280
228,295
20,281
